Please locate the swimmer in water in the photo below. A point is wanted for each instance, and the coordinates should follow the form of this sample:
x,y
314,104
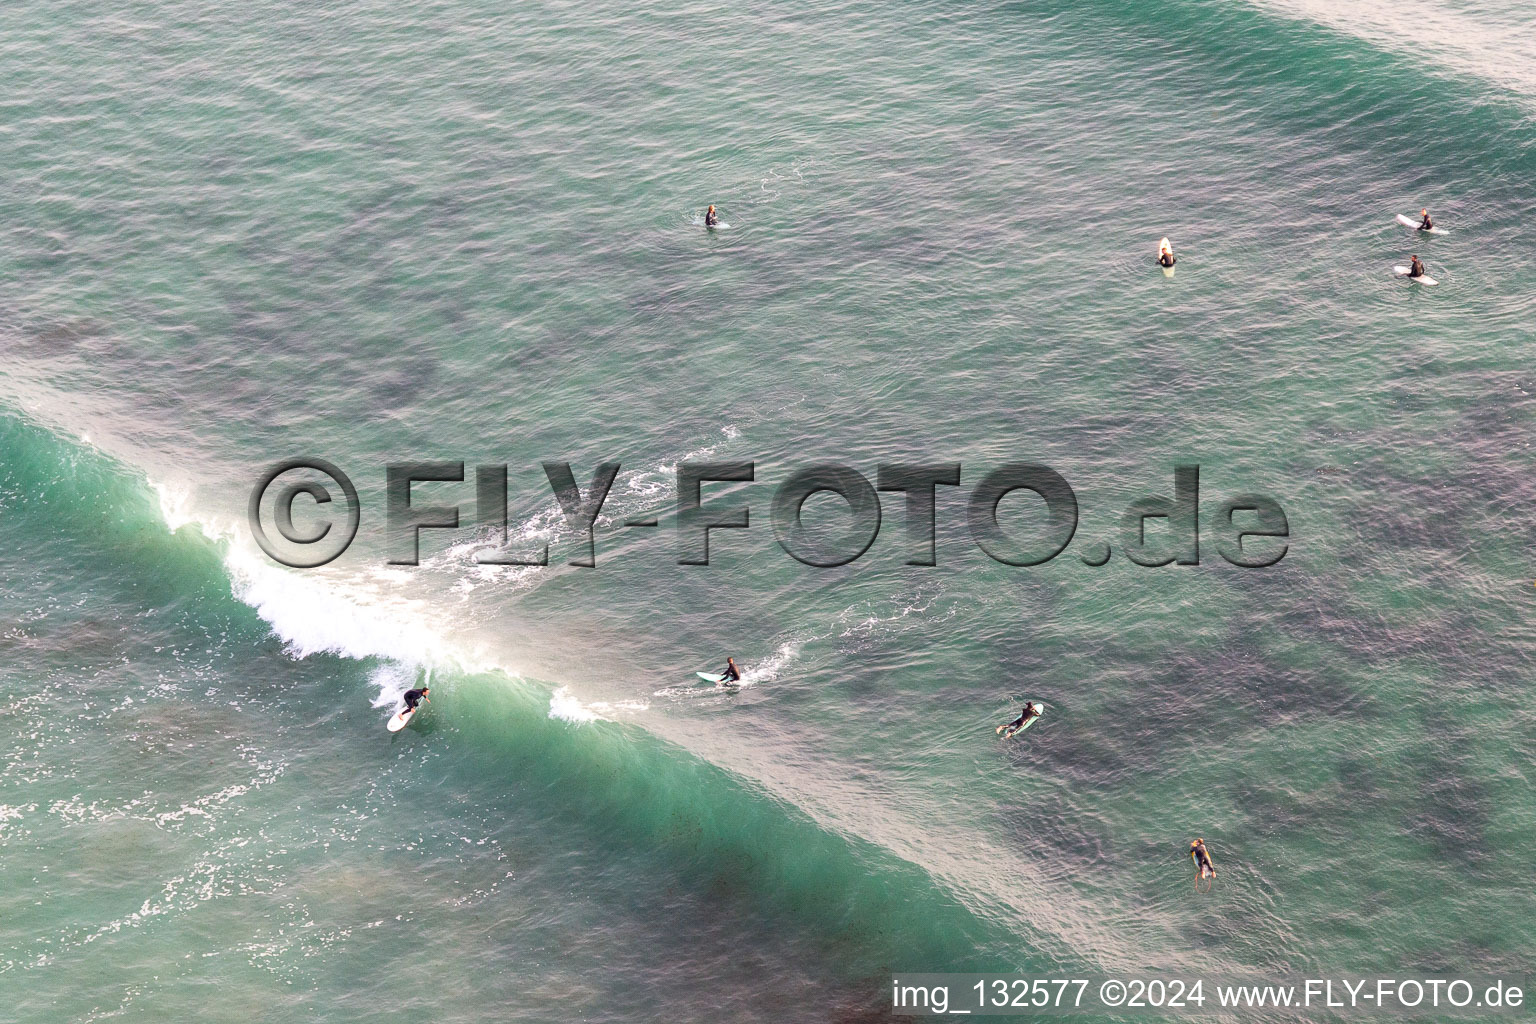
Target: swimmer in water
x,y
710,218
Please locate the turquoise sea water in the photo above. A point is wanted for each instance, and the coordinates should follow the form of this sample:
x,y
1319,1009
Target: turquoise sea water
x,y
372,232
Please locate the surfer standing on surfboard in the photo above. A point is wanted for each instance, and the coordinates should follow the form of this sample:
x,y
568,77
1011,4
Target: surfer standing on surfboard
x,y
415,697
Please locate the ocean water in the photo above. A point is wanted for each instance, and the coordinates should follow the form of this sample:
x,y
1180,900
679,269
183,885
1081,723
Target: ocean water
x,y
376,232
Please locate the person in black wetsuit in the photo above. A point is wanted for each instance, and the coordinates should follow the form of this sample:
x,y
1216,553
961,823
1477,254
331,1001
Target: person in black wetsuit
x,y
1167,258
1030,711
732,674
1427,223
1416,268
710,218
1202,859
415,697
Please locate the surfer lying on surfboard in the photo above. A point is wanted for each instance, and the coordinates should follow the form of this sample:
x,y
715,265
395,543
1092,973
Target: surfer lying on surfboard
x,y
1029,714
1204,869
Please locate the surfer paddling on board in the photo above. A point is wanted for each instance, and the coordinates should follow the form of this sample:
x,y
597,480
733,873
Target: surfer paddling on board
x,y
415,697
1426,224
711,218
1031,711
1204,869
1416,268
732,674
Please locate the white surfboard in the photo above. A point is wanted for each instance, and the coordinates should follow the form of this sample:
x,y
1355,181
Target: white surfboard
x,y
710,677
1409,222
401,720
1402,271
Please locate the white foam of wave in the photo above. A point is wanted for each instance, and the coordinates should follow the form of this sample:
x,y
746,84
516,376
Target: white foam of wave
x,y
391,680
13,812
634,493
543,528
175,505
865,621
567,707
312,616
770,667
564,706
356,617
319,612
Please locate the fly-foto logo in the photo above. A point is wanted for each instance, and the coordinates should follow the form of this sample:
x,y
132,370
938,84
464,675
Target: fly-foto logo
x,y
1249,530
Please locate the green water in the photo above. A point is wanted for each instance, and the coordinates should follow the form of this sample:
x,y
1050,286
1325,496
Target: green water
x,y
459,231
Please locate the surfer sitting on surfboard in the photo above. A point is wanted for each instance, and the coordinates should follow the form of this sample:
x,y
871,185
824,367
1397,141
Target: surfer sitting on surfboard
x,y
1166,258
710,218
732,674
1427,225
1416,268
1030,711
415,697
1202,859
